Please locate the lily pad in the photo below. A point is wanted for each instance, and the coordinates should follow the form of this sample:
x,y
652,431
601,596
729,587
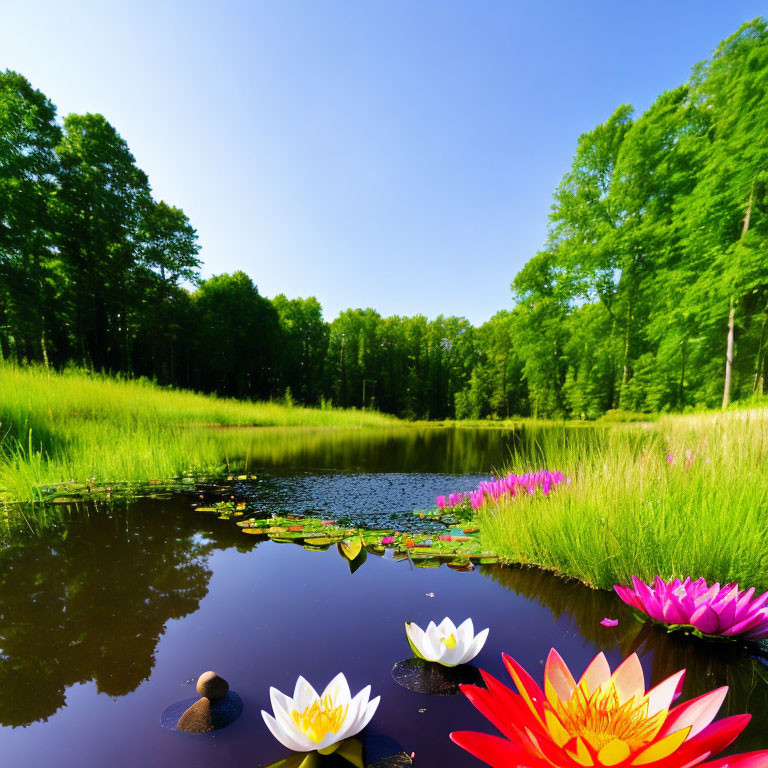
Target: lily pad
x,y
434,679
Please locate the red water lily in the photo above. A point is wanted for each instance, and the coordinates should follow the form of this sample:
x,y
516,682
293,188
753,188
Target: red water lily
x,y
604,719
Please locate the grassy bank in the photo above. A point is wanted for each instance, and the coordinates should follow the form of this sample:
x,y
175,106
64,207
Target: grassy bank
x,y
78,425
628,510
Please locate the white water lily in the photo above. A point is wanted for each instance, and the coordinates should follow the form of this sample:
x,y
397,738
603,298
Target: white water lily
x,y
308,721
446,643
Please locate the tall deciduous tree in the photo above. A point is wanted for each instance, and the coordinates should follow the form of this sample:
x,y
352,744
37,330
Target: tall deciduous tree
x,y
237,334
29,278
727,209
100,204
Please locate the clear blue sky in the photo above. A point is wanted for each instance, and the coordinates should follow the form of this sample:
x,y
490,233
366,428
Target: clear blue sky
x,y
397,154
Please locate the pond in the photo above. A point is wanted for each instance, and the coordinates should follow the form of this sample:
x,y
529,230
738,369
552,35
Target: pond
x,y
109,614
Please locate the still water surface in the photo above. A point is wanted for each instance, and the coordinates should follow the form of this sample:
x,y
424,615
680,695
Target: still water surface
x,y
110,616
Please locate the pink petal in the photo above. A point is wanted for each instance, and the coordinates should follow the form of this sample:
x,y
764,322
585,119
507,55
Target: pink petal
x,y
744,599
746,625
726,615
629,679
628,596
697,713
759,602
673,613
597,673
705,620
606,622
757,759
557,675
662,695
730,593
708,595
649,601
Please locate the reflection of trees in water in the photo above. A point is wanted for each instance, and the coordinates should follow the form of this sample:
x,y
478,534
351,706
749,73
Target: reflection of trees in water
x,y
451,450
708,664
92,603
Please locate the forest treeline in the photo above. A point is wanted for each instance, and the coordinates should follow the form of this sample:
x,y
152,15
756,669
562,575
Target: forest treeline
x,y
650,294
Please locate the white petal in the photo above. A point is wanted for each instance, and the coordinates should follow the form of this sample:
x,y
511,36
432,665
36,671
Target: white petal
x,y
278,698
354,714
338,690
370,711
475,646
452,656
446,627
289,728
434,646
304,695
466,631
330,738
280,735
417,637
349,726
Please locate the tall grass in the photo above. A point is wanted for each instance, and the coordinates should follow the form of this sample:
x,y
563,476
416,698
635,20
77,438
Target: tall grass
x,y
629,511
77,425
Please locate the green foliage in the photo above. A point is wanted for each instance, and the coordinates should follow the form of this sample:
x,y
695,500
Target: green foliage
x,y
656,251
236,337
628,511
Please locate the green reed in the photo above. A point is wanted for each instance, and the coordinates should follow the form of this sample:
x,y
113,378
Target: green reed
x,y
629,511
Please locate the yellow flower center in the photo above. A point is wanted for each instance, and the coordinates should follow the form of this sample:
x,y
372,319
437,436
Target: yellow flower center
x,y
450,641
320,719
600,719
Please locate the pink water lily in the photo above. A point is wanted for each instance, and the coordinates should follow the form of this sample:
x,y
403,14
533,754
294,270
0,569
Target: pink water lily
x,y
506,487
712,610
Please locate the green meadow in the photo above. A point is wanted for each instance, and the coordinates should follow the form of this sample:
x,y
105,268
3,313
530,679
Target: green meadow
x,y
77,426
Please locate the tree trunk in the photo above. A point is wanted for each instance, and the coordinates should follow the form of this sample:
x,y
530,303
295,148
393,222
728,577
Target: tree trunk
x,y
625,365
732,315
729,356
43,346
614,373
681,390
758,384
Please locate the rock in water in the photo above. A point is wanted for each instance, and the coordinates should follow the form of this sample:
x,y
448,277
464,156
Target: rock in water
x,y
218,707
199,718
213,687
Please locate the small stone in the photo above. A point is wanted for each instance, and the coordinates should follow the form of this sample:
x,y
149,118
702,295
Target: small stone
x,y
198,718
211,686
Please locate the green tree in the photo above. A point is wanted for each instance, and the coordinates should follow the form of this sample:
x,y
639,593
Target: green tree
x,y
539,329
29,273
100,205
303,347
726,212
161,317
585,226
237,338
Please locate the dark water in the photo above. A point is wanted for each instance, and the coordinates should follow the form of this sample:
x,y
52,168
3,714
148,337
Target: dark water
x,y
450,450
109,616
372,500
